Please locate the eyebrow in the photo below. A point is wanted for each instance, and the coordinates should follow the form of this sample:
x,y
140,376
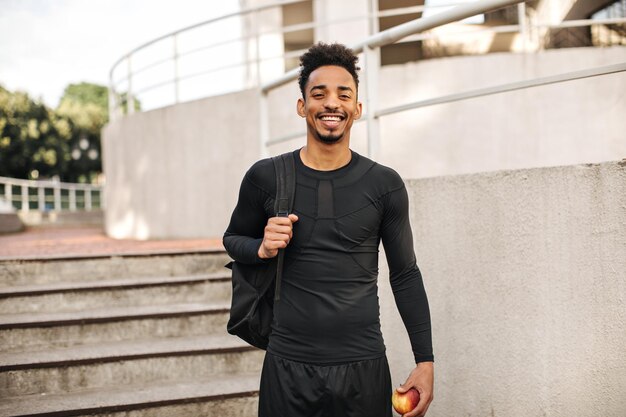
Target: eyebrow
x,y
323,87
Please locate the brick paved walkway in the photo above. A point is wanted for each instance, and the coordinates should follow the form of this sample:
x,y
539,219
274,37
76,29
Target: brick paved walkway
x,y
79,241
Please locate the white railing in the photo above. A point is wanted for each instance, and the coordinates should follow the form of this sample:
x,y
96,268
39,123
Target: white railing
x,y
135,81
249,46
173,59
46,195
369,49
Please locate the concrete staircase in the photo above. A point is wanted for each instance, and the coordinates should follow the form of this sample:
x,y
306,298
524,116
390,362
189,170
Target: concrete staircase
x,y
122,336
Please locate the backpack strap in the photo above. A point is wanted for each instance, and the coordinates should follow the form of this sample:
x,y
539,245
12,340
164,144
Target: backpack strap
x,y
285,168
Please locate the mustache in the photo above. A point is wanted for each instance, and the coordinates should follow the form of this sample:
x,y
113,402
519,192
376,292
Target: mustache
x,y
332,113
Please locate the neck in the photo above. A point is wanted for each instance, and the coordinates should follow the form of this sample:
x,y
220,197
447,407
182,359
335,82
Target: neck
x,y
324,157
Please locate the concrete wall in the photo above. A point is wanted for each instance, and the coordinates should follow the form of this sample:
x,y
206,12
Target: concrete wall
x,y
566,123
10,223
572,122
347,32
525,273
62,218
174,172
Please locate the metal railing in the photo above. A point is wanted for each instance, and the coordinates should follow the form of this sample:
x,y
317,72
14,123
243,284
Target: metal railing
x,y
116,99
45,195
250,45
135,82
370,46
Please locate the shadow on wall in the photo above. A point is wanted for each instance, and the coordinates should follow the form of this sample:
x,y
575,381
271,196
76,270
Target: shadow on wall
x,y
129,222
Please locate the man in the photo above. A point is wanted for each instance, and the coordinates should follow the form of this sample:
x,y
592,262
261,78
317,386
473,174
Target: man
x,y
326,356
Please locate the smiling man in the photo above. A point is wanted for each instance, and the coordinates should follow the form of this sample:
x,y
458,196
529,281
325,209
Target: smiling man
x,y
326,355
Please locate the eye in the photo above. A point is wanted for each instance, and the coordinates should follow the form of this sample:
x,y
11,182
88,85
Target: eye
x,y
346,96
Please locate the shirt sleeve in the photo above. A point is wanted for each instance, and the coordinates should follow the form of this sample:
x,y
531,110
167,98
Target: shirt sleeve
x,y
406,279
247,223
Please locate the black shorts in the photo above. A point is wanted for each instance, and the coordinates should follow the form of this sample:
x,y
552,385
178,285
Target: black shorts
x,y
296,389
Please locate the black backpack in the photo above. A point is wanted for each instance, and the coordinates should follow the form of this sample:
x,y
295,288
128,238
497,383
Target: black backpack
x,y
253,297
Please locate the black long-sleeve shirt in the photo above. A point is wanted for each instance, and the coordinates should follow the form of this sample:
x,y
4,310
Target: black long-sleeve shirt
x,y
329,311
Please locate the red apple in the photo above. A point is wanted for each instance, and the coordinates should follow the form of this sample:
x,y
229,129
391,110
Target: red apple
x,y
403,403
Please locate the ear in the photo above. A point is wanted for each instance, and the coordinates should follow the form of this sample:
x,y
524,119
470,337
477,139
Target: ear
x,y
358,110
300,107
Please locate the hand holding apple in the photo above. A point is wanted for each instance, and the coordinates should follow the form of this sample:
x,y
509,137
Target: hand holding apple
x,y
405,402
420,380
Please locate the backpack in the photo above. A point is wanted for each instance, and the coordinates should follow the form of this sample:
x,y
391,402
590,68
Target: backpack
x,y
253,296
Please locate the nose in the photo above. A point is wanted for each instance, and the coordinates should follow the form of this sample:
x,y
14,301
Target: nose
x,y
331,102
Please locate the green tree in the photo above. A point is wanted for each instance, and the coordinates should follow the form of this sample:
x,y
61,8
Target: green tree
x,y
85,105
124,103
38,142
87,93
33,139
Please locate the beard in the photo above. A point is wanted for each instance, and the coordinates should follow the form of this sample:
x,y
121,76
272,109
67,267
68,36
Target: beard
x,y
329,138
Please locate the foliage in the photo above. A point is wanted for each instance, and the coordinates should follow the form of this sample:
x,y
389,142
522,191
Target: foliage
x,y
124,103
33,138
85,105
38,142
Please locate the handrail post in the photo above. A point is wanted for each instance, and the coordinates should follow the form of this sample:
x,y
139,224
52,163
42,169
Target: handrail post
x,y
8,192
25,202
130,100
57,197
522,24
257,47
72,205
87,193
112,103
176,81
41,198
372,65
264,123
373,21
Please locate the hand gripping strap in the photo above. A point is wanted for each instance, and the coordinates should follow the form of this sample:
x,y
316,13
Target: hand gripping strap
x,y
285,168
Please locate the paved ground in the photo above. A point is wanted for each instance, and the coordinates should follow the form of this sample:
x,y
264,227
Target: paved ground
x,y
79,241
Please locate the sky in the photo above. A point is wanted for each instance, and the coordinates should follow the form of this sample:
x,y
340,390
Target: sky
x,y
47,44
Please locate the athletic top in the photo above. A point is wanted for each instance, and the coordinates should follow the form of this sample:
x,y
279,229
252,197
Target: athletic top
x,y
328,312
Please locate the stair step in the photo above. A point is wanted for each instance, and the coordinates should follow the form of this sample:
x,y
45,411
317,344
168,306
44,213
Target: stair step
x,y
72,296
8,321
128,362
221,395
30,331
38,271
122,283
117,351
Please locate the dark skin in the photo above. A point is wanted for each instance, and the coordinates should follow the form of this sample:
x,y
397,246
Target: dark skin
x,y
330,106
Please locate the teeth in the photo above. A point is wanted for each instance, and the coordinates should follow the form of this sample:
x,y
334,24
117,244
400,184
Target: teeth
x,y
333,118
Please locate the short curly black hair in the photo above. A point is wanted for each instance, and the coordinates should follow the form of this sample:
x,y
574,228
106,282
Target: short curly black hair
x,y
322,54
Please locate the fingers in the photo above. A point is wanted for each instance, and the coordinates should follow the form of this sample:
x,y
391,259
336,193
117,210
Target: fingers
x,y
278,226
277,231
276,235
404,387
422,406
421,378
290,219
